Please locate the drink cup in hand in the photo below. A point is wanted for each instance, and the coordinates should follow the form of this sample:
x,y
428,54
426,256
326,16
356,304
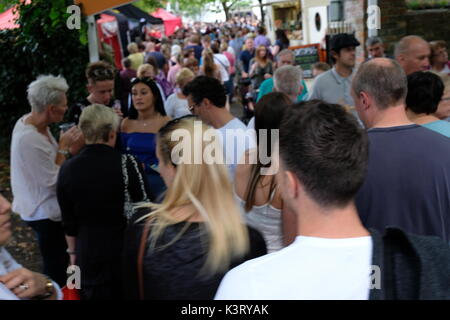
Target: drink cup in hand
x,y
117,106
66,126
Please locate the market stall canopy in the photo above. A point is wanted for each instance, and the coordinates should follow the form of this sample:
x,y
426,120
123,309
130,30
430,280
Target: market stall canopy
x,y
171,22
8,18
133,12
108,33
90,7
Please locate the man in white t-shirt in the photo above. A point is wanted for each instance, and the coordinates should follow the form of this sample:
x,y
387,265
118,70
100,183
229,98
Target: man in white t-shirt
x,y
332,255
207,99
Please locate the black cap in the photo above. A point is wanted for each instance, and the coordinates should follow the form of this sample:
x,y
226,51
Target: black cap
x,y
343,40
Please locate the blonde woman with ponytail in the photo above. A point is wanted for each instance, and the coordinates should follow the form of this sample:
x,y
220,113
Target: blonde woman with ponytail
x,y
197,233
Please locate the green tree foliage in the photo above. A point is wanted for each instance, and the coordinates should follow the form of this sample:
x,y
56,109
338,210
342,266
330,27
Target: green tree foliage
x,y
6,4
42,45
196,6
149,5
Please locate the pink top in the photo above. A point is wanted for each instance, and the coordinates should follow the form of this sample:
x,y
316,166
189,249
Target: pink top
x,y
230,58
171,76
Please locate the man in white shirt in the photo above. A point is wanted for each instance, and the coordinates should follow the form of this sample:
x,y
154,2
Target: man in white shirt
x,y
207,99
332,254
17,282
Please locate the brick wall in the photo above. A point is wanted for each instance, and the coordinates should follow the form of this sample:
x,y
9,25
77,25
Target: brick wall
x,y
393,22
430,24
397,21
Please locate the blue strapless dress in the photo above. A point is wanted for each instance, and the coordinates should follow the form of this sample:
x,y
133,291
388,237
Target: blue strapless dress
x,y
142,145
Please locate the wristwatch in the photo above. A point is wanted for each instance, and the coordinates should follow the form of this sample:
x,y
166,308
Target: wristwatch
x,y
49,290
65,153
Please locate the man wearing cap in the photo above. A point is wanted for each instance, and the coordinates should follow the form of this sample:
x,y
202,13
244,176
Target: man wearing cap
x,y
333,86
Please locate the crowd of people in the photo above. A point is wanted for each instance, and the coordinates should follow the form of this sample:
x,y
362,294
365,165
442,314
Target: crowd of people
x,y
356,178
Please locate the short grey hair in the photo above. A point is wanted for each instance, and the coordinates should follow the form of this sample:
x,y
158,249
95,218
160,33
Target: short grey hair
x,y
285,52
288,79
96,122
384,80
373,41
46,90
404,44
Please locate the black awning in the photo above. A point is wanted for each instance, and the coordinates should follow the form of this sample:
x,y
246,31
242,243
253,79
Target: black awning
x,y
134,12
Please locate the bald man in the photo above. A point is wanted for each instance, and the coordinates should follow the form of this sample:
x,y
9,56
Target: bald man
x,y
413,54
406,184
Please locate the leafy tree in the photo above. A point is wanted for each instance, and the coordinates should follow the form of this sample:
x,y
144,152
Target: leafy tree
x,y
6,4
198,5
42,45
149,5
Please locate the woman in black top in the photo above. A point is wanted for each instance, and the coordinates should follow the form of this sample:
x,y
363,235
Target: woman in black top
x,y
91,194
196,234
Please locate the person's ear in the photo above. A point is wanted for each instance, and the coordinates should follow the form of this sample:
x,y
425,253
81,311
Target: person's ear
x,y
112,135
366,100
292,185
205,103
334,54
89,87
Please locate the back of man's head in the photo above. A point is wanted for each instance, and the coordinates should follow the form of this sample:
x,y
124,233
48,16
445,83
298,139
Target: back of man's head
x,y
384,80
206,87
326,149
288,79
126,63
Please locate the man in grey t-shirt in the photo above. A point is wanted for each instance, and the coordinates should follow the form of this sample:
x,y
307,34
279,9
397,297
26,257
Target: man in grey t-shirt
x,y
334,85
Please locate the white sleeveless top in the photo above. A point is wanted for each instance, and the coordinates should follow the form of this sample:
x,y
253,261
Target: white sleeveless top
x,y
267,220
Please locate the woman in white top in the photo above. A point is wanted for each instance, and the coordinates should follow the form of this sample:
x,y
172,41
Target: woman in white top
x,y
177,104
35,161
256,188
17,282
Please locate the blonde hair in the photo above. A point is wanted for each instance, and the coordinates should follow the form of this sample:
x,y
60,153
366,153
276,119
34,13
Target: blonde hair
x,y
182,76
96,123
132,48
144,68
207,188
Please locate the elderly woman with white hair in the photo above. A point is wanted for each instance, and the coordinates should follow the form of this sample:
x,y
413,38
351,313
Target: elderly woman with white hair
x,y
35,161
93,194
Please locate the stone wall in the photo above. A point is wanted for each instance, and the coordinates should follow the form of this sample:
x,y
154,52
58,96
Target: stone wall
x,y
355,13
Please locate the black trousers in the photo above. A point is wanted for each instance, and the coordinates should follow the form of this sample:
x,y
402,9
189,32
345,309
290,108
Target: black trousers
x,y
53,247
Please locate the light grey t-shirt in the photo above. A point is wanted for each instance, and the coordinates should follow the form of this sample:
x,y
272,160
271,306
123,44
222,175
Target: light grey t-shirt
x,y
332,88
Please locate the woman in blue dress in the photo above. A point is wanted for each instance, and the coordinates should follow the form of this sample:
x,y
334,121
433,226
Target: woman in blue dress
x,y
139,130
